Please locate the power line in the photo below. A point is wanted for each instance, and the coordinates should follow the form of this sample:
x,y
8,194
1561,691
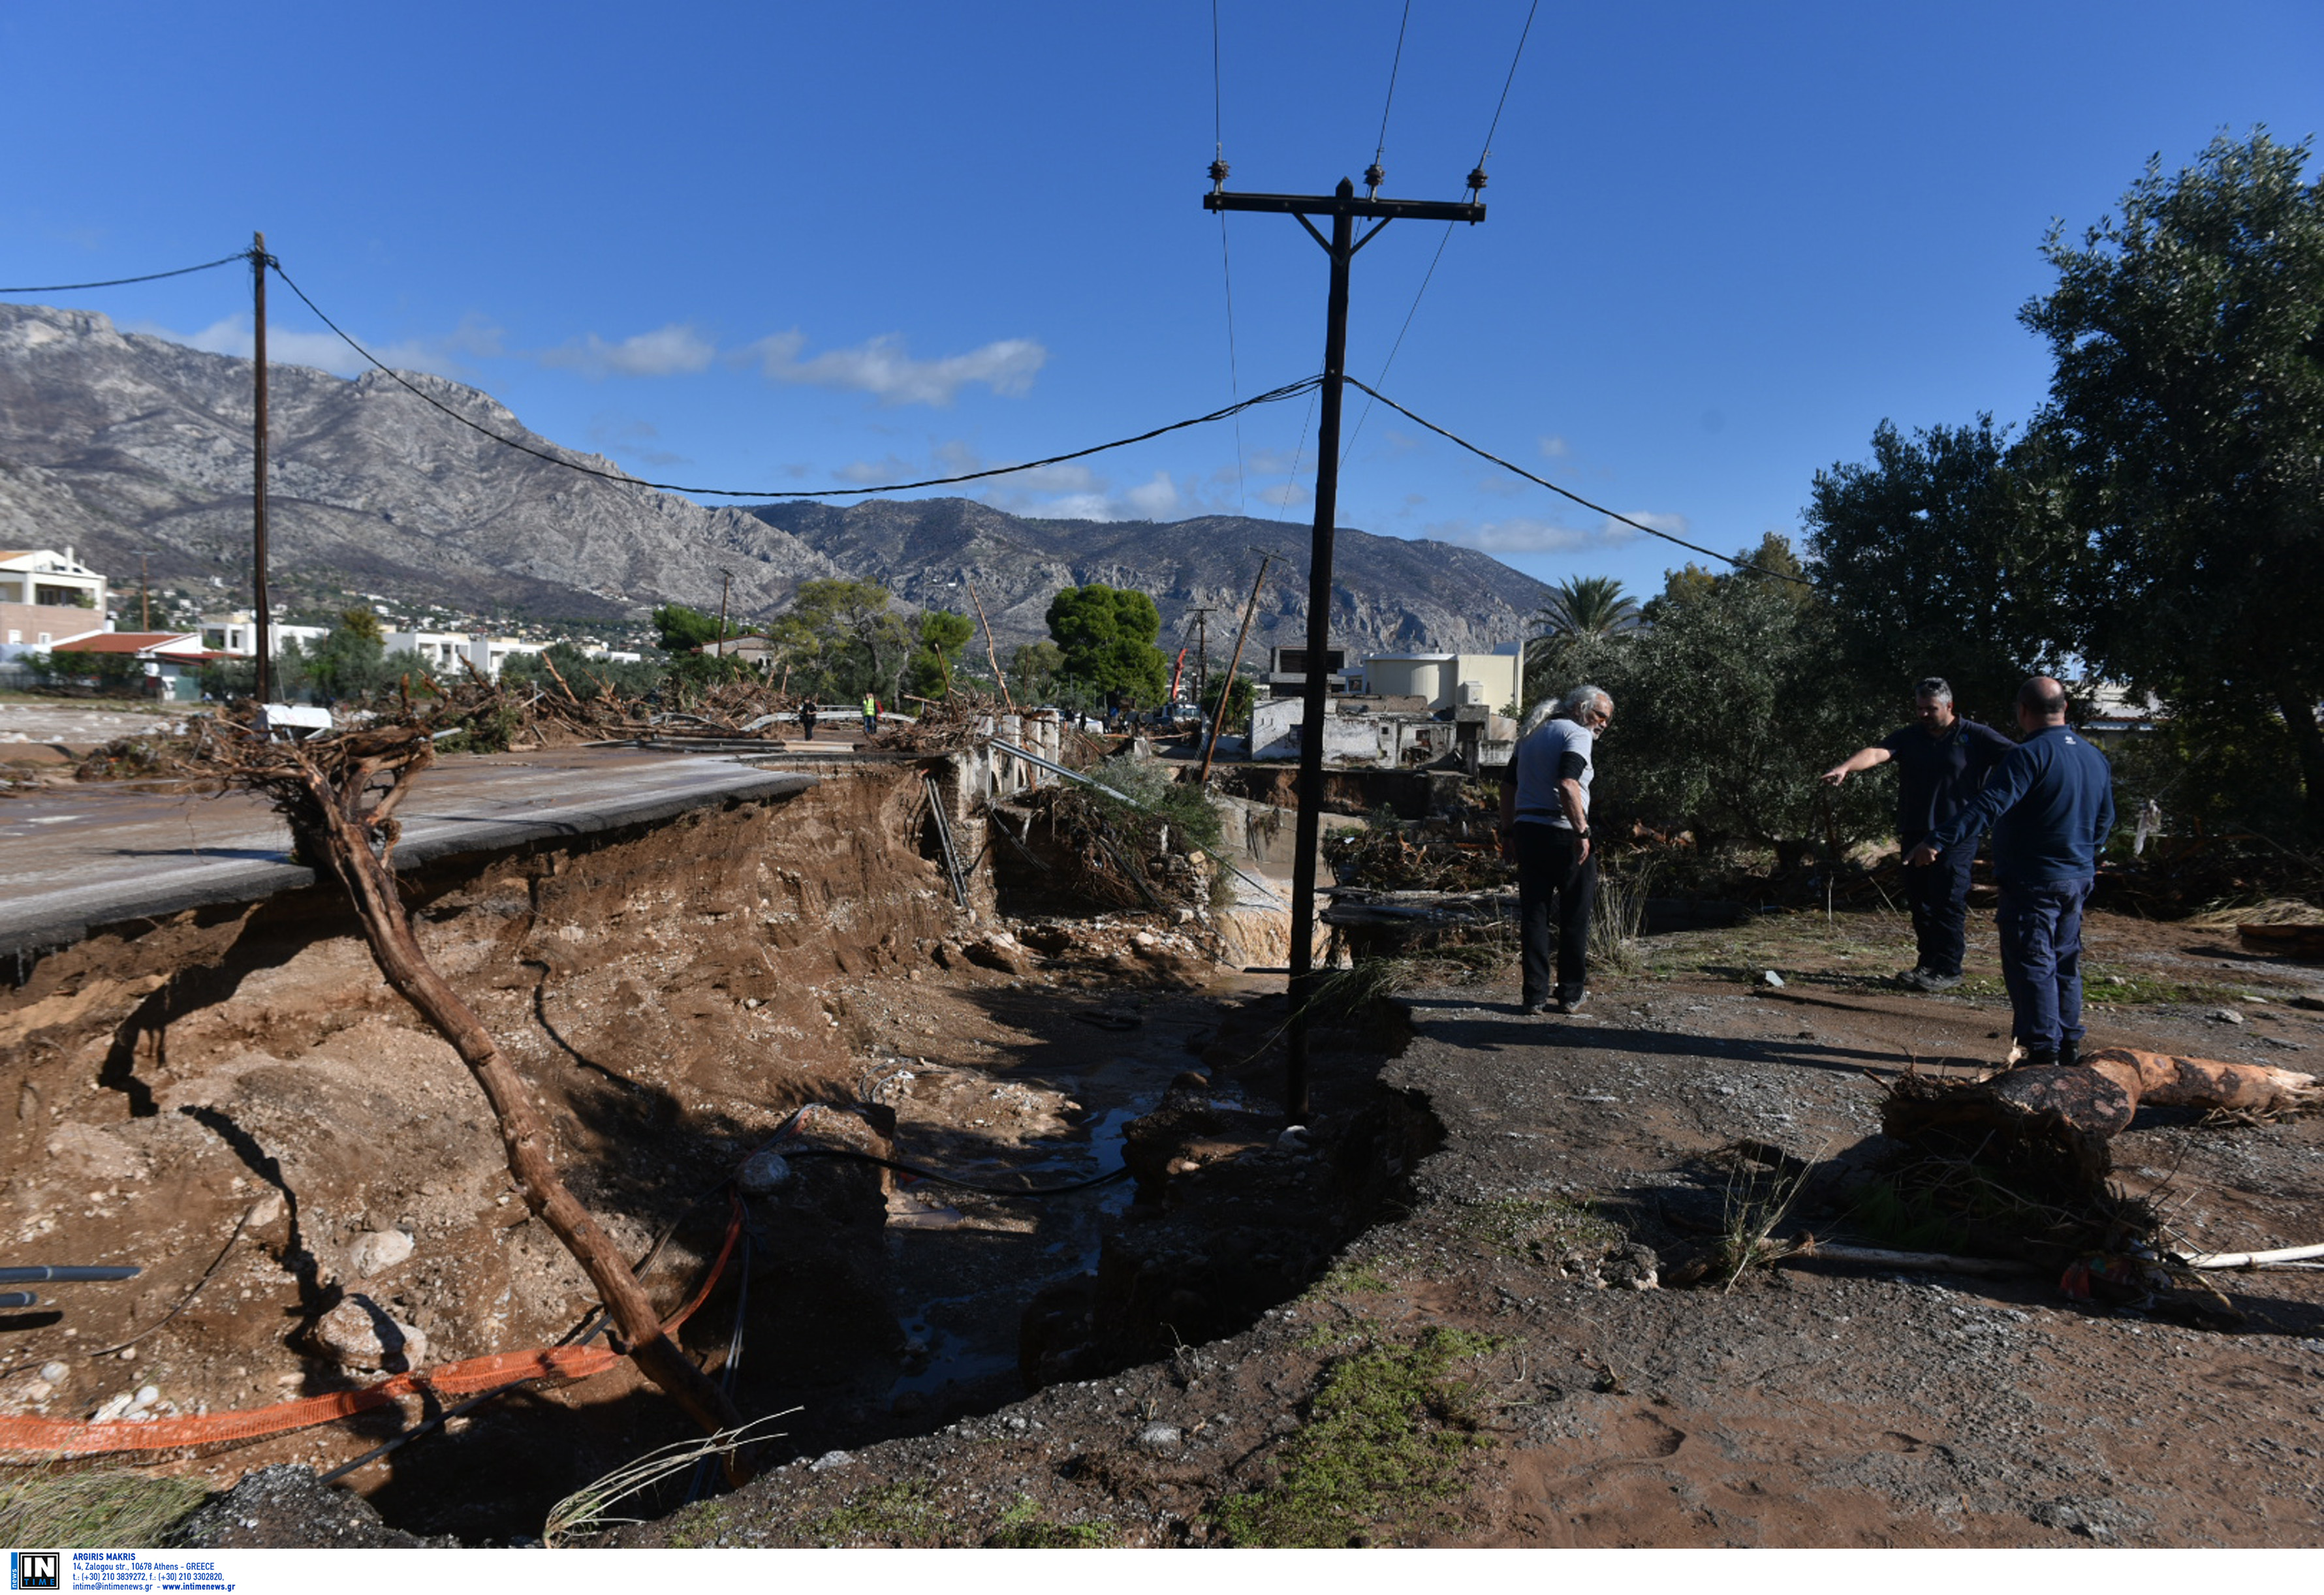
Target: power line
x,y
1374,176
1577,498
1476,182
1226,263
239,254
1273,395
1517,56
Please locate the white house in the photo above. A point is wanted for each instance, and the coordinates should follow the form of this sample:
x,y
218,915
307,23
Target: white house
x,y
47,597
237,633
445,651
1491,678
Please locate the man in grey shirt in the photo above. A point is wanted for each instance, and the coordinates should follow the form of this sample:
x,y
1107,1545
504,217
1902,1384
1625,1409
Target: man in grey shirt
x,y
1546,833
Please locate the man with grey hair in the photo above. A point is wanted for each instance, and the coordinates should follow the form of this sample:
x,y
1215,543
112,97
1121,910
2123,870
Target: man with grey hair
x,y
1544,830
1941,764
2050,804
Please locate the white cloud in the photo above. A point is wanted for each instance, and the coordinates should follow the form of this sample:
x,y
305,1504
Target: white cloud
x,y
883,368
1554,448
475,337
675,350
872,473
1521,535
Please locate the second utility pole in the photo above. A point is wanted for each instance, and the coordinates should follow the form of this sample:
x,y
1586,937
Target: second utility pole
x,y
1343,208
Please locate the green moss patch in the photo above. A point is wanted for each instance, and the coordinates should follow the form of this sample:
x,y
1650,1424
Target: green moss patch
x,y
1387,1431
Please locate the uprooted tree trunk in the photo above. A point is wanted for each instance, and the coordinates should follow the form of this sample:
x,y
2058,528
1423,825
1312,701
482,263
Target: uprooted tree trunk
x,y
2060,1121
340,794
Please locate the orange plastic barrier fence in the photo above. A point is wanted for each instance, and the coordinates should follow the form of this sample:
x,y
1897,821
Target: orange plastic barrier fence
x,y
70,1437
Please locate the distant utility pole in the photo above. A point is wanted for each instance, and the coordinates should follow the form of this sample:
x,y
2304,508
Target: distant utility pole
x,y
724,577
1202,651
264,632
1343,208
1226,692
145,596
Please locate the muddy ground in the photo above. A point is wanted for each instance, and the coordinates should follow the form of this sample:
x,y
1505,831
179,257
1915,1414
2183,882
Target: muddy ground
x,y
1481,1371
1418,1323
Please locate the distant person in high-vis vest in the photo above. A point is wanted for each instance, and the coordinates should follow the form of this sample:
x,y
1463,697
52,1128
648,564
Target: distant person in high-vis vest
x,y
871,714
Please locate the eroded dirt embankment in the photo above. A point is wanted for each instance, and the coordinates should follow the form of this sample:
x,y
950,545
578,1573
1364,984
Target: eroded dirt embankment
x,y
671,991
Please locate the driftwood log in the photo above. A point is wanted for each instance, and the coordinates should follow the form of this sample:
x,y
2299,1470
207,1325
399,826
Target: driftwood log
x,y
2202,1082
339,795
2056,1123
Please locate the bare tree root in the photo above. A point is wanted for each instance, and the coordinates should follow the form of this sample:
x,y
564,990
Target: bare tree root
x,y
339,795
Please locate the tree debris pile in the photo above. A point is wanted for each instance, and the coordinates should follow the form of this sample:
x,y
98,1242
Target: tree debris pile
x,y
1151,847
2018,1166
950,724
1444,852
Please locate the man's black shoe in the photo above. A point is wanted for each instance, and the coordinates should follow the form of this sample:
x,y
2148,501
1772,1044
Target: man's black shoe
x,y
1573,1004
1532,1006
2070,1054
2040,1057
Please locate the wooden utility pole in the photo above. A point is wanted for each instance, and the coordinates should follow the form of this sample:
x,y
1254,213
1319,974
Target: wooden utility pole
x,y
1202,651
145,596
989,651
724,578
1343,208
263,631
1219,714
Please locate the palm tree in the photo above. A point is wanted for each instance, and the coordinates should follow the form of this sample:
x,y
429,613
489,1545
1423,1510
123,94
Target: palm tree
x,y
1581,609
1591,606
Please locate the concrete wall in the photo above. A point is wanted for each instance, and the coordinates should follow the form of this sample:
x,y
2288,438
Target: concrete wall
x,y
23,625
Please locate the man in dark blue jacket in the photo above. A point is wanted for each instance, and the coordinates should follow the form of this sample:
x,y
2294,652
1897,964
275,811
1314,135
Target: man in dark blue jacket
x,y
1941,764
2050,804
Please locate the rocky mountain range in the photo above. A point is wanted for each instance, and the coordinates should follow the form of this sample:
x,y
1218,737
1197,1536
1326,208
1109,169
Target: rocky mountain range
x,y
119,444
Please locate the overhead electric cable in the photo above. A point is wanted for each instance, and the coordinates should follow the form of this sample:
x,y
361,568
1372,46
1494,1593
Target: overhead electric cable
x,y
1273,395
1515,58
1374,176
1577,498
1226,263
1477,180
240,254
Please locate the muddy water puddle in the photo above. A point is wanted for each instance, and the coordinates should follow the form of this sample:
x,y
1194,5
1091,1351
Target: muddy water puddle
x,y
963,1266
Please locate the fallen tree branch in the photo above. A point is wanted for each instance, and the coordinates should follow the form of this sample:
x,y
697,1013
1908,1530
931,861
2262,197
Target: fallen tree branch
x,y
329,790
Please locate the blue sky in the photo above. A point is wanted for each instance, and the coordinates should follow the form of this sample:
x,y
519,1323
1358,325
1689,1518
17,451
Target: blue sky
x,y
786,245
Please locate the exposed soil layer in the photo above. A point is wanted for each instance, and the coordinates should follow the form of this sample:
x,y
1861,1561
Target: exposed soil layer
x,y
239,1085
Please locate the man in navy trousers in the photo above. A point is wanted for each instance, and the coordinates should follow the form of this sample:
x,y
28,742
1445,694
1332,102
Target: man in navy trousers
x,y
2050,803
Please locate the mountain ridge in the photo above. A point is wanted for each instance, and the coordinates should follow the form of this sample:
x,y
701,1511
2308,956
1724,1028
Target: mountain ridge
x,y
121,443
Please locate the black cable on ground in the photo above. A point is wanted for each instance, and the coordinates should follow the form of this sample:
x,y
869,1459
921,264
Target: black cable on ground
x,y
187,1300
1288,391
240,254
1577,498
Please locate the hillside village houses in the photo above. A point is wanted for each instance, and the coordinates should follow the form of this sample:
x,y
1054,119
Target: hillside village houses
x,y
52,602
